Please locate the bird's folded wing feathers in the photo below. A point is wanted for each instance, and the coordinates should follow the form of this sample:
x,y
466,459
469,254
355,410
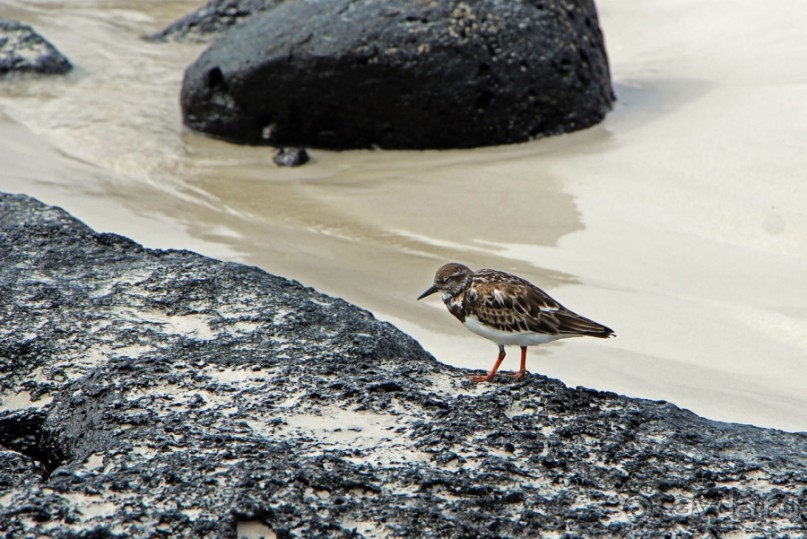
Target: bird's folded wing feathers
x,y
522,306
517,307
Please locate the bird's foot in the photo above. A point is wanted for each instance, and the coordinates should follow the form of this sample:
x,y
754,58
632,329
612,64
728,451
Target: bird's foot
x,y
482,378
518,375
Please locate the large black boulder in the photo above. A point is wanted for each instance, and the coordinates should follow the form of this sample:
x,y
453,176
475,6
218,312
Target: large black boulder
x,y
22,50
150,393
401,74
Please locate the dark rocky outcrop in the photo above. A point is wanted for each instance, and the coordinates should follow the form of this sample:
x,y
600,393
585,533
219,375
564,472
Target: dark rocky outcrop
x,y
22,50
161,393
401,74
212,19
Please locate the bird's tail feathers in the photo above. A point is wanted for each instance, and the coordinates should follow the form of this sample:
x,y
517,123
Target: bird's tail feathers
x,y
579,325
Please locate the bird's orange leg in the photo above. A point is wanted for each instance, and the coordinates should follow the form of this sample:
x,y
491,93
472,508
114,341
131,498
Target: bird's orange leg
x,y
523,370
489,376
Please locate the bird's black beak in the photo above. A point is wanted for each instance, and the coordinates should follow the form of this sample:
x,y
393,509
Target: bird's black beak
x,y
428,292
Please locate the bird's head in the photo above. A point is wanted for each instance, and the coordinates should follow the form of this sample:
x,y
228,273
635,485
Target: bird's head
x,y
450,279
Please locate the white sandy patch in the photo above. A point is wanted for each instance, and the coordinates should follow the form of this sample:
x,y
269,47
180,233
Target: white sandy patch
x,y
237,318
131,278
455,385
346,428
193,513
254,529
178,395
757,481
91,506
10,402
145,451
93,463
279,315
241,328
378,438
5,499
518,408
195,326
236,377
87,360
444,384
366,528
132,350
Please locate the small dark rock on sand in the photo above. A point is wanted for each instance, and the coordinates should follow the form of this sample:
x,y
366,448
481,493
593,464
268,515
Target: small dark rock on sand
x,y
290,157
22,50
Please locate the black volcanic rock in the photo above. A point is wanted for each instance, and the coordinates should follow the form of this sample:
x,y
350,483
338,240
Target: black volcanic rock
x,y
213,18
22,50
150,393
290,157
401,74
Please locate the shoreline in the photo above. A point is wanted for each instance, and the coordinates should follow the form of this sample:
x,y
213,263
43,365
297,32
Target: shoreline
x,y
678,221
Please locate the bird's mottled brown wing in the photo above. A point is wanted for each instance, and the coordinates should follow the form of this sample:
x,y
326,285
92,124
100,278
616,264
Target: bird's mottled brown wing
x,y
510,303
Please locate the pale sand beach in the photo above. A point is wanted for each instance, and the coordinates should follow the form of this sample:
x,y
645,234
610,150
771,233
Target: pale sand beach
x,y
679,221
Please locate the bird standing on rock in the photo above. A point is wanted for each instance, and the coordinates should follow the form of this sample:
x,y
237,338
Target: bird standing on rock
x,y
508,310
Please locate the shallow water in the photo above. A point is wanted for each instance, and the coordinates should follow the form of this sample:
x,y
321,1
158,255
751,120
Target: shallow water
x,y
679,221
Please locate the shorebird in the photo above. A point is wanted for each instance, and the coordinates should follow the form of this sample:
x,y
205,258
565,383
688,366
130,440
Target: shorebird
x,y
508,310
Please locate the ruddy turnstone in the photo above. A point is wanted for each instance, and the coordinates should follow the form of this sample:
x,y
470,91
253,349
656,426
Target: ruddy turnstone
x,y
508,310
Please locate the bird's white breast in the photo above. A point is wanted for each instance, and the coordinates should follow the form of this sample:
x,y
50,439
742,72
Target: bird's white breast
x,y
504,338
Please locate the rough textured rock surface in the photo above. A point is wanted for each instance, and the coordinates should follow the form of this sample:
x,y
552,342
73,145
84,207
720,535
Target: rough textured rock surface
x,y
161,393
22,50
212,19
401,74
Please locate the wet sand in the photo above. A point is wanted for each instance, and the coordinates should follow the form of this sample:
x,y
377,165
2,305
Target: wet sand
x,y
679,221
